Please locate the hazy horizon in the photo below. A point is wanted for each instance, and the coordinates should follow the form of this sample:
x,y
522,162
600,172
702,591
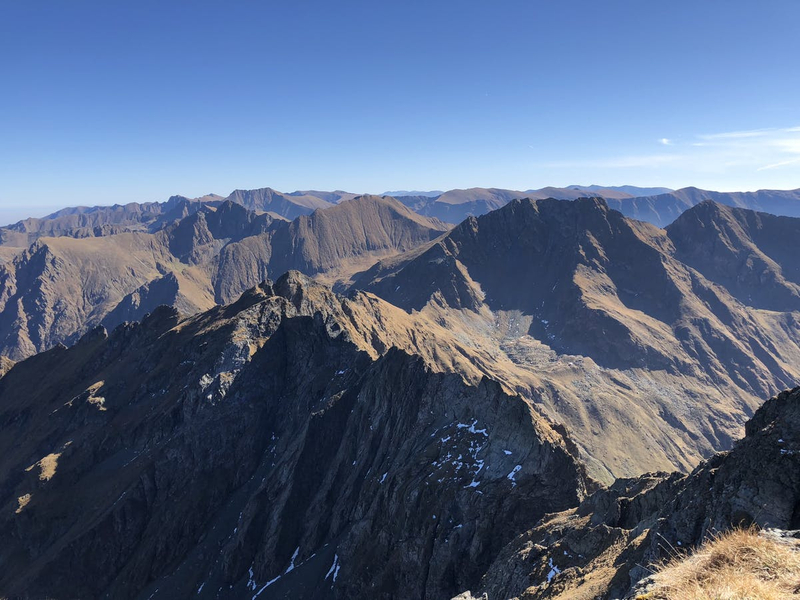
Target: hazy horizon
x,y
10,214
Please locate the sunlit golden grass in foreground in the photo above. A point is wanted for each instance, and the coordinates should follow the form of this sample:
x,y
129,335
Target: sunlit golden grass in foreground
x,y
737,565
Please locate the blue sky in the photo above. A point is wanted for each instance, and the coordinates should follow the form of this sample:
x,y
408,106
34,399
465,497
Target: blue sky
x,y
106,102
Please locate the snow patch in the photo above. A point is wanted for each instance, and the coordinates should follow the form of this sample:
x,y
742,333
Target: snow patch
x,y
554,570
266,585
334,568
291,564
513,473
471,428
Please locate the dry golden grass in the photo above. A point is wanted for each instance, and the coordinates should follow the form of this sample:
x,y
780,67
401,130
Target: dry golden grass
x,y
23,502
737,565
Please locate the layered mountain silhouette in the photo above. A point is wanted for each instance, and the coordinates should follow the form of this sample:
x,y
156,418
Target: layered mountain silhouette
x,y
365,402
659,206
456,205
287,445
60,287
611,326
95,221
662,209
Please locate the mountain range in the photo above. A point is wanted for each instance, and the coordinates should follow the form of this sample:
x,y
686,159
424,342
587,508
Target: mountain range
x,y
195,257
656,205
324,395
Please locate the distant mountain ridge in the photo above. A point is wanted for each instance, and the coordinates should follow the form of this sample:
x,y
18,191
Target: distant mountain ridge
x,y
656,205
663,209
429,194
630,190
205,254
440,424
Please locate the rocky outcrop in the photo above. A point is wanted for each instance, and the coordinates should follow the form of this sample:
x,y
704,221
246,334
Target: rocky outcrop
x,y
263,449
603,548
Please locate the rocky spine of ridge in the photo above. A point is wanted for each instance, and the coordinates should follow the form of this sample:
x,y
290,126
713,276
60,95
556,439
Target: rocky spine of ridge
x,y
603,548
263,449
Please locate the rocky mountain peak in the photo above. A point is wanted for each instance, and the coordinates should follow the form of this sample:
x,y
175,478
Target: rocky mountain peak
x,y
291,445
742,250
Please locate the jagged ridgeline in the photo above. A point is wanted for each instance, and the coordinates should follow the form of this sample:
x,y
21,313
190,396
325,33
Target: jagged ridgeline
x,y
270,448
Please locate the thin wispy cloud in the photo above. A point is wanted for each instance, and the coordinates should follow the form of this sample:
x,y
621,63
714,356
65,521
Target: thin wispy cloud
x,y
725,158
785,163
734,135
761,149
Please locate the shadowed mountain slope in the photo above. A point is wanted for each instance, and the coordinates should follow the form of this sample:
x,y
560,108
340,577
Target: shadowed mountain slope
x,y
746,252
273,447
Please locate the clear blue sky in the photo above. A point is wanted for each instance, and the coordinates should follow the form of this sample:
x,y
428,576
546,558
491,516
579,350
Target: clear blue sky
x,y
105,102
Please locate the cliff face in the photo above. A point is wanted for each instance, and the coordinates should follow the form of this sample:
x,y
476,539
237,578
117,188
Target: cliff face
x,y
603,548
263,448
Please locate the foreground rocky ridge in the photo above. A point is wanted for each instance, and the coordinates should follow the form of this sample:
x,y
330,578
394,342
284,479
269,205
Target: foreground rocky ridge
x,y
285,445
602,549
273,446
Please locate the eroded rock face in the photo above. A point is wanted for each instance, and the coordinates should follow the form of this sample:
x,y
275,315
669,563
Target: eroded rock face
x,y
262,449
602,548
